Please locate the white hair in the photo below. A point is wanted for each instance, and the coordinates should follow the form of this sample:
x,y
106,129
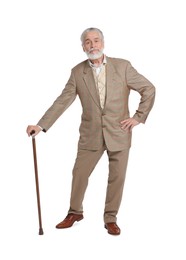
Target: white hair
x,y
83,35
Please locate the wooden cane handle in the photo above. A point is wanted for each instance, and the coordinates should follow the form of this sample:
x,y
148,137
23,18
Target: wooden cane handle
x,y
32,132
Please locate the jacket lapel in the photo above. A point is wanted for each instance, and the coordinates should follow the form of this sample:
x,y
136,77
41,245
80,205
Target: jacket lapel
x,y
90,84
110,72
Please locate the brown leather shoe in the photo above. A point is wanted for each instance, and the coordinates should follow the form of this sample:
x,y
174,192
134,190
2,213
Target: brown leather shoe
x,y
69,220
113,228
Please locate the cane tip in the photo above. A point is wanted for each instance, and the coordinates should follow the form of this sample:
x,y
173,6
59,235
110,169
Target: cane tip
x,y
41,231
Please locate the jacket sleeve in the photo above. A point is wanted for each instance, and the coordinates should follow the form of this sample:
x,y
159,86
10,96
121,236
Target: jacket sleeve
x,y
61,103
145,88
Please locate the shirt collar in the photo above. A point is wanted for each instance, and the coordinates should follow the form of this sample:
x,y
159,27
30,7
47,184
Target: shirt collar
x,y
103,63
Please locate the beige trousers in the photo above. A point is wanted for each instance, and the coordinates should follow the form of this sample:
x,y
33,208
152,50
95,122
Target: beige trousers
x,y
84,165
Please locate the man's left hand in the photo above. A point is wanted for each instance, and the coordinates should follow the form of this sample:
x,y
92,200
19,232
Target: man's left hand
x,y
128,124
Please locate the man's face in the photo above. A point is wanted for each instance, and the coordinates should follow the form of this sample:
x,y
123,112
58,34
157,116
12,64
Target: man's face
x,y
93,45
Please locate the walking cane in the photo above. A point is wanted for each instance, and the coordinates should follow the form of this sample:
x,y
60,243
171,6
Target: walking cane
x,y
37,182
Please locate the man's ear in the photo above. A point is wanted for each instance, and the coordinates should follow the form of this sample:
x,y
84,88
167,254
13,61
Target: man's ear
x,y
83,48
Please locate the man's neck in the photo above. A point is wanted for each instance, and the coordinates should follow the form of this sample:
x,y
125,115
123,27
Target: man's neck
x,y
97,62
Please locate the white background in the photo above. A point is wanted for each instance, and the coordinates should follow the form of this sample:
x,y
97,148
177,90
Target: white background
x,y
39,44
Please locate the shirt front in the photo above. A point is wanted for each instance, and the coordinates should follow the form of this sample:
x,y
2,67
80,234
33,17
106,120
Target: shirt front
x,y
100,80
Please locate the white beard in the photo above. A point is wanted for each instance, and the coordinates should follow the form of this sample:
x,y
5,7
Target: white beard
x,y
95,56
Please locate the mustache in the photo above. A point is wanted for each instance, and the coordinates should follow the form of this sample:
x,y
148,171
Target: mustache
x,y
93,49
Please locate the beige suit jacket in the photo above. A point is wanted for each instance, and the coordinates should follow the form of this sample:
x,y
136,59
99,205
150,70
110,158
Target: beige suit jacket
x,y
103,125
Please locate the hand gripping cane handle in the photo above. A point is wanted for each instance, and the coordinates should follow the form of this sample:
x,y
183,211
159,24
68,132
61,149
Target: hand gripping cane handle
x,y
37,182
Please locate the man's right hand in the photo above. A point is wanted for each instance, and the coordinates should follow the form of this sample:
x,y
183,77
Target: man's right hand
x,y
34,128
